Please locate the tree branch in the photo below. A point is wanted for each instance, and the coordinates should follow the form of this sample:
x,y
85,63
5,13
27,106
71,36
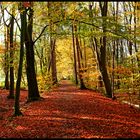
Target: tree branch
x,y
44,30
14,18
2,11
87,23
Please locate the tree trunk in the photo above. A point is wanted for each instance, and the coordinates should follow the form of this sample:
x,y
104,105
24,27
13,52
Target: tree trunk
x,y
102,61
82,85
11,92
6,66
22,40
52,64
53,61
74,56
33,92
7,46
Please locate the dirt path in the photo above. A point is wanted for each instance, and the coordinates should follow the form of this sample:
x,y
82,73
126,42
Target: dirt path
x,y
67,112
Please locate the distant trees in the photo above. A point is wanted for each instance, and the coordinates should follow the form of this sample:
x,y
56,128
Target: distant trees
x,y
52,44
9,54
79,58
6,54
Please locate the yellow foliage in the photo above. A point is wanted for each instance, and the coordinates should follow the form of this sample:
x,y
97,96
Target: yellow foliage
x,y
93,75
137,4
2,49
120,70
44,82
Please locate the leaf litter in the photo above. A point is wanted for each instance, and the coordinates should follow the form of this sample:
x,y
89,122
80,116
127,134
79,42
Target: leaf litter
x,y
68,112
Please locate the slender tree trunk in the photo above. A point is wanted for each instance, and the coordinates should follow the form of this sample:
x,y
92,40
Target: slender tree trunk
x,y
113,66
74,56
52,64
53,61
94,46
7,46
128,21
22,40
85,54
121,50
117,45
82,85
11,92
6,67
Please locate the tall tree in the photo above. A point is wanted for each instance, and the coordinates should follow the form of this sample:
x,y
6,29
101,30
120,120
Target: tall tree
x,y
101,56
6,57
52,47
80,71
53,60
22,41
33,92
7,46
11,92
74,56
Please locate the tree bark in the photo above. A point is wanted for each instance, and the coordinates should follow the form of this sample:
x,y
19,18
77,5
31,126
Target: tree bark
x,y
6,66
22,40
7,46
102,60
53,61
82,85
33,92
74,56
52,64
11,92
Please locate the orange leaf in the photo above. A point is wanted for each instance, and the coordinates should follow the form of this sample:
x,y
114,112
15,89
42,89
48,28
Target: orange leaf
x,y
26,4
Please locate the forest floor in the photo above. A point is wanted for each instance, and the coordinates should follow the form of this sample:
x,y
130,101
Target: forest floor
x,y
68,112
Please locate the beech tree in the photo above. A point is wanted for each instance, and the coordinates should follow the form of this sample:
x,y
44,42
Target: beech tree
x,y
7,46
11,94
74,56
81,81
52,45
23,13
33,92
100,48
9,49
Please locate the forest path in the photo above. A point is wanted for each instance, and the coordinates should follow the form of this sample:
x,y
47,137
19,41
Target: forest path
x,y
68,112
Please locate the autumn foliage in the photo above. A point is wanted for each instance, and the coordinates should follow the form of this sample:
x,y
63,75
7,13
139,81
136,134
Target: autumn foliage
x,y
26,4
67,112
93,44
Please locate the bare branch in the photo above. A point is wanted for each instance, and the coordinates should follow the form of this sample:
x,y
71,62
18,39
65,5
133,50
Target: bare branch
x,y
13,17
44,30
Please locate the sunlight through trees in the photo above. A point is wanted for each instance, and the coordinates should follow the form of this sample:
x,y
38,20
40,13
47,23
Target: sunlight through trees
x,y
93,44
